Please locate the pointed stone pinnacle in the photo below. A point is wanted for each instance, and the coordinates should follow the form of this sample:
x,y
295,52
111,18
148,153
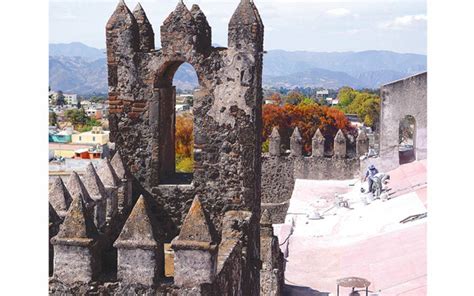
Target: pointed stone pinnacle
x,y
139,229
195,226
78,227
296,134
107,174
76,188
118,166
59,196
362,135
340,134
93,184
244,14
318,134
275,134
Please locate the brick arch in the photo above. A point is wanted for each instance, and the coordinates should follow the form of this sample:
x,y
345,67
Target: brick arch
x,y
166,92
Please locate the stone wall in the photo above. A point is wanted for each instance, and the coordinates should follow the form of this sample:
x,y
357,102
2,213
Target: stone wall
x,y
279,171
211,219
401,98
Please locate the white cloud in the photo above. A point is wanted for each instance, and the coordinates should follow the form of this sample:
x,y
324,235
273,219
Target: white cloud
x,y
405,21
338,12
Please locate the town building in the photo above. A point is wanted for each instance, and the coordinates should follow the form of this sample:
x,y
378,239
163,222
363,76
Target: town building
x,y
97,136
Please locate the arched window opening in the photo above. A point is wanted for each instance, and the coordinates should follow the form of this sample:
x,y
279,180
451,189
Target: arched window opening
x,y
406,140
177,125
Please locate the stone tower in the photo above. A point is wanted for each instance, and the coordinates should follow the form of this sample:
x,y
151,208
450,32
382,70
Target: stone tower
x,y
227,116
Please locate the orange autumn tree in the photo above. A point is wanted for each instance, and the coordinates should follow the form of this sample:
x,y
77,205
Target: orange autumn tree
x,y
308,118
184,143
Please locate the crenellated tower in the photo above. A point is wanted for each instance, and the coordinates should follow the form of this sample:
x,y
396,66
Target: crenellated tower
x,y
211,217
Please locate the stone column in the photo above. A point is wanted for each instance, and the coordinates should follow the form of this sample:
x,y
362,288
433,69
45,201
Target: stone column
x,y
362,143
140,253
195,259
271,274
296,143
318,144
76,246
340,145
274,143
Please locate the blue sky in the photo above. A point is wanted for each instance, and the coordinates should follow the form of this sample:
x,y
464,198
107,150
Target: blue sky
x,y
311,25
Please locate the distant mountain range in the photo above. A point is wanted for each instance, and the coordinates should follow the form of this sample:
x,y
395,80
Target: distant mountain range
x,y
81,69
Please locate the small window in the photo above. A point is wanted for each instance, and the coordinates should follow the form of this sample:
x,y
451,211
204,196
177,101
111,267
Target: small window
x,y
93,139
80,138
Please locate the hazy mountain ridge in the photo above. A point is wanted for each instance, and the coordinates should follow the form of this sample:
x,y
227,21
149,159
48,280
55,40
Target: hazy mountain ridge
x,y
82,69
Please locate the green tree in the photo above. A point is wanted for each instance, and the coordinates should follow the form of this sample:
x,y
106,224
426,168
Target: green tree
x,y
367,107
294,97
77,116
346,96
307,101
53,119
60,99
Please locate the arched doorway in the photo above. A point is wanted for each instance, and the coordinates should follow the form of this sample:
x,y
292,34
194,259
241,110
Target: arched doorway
x,y
407,140
176,86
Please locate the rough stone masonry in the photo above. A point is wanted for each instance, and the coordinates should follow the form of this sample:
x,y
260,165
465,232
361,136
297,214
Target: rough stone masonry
x,y
224,193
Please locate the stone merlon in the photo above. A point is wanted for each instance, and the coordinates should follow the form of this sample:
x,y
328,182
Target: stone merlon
x,y
59,196
107,174
76,188
140,229
119,166
195,232
93,184
78,227
145,29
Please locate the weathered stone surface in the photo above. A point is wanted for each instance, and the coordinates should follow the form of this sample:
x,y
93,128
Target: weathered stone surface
x,y
76,256
195,260
59,197
318,144
271,274
97,192
140,229
76,187
124,190
54,222
227,177
274,143
401,98
78,227
296,143
119,166
362,143
279,175
196,226
146,34
111,184
107,174
194,267
340,146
